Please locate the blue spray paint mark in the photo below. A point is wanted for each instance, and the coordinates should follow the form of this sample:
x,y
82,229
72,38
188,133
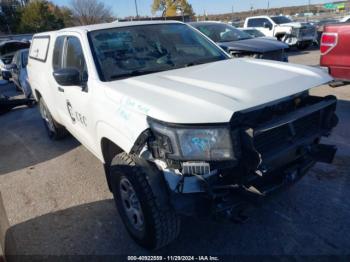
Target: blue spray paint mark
x,y
201,143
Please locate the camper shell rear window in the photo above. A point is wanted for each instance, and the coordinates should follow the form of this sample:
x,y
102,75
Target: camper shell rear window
x,y
40,48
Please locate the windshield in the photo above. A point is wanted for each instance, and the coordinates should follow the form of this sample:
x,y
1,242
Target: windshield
x,y
222,33
123,52
254,32
281,20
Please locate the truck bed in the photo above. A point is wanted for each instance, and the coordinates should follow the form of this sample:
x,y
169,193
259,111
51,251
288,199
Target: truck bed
x,y
335,52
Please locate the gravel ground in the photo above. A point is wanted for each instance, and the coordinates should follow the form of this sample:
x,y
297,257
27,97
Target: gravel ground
x,y
57,202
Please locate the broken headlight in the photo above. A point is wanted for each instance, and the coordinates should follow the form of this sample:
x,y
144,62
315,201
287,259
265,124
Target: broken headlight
x,y
197,143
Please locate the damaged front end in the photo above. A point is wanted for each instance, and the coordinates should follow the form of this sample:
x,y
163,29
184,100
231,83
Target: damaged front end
x,y
217,170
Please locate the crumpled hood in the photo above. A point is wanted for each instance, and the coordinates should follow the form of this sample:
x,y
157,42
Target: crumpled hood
x,y
258,45
213,92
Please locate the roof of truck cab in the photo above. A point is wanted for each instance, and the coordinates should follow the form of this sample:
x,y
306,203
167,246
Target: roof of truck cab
x,y
258,16
89,28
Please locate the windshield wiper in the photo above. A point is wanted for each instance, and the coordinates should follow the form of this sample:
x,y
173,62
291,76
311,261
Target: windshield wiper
x,y
134,73
190,64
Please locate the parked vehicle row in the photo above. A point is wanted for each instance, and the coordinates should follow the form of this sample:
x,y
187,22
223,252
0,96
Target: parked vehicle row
x,y
240,44
181,128
301,35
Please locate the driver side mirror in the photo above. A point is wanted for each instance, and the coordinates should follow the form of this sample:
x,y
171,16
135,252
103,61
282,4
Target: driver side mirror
x,y
267,25
67,77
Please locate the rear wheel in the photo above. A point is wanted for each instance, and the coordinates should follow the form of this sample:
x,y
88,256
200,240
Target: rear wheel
x,y
150,222
55,130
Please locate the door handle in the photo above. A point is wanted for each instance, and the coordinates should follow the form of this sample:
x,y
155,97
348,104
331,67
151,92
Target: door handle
x,y
60,89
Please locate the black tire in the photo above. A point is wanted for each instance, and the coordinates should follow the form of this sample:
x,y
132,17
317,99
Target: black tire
x,y
54,130
303,45
161,225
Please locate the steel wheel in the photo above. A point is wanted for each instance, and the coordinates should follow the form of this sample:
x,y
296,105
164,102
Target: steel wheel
x,y
131,204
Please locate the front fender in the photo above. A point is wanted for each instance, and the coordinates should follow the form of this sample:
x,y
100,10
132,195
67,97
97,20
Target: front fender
x,y
105,130
123,132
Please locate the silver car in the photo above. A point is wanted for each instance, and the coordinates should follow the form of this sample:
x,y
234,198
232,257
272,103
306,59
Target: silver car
x,y
19,72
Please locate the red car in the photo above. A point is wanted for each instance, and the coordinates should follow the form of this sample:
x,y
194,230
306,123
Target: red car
x,y
335,50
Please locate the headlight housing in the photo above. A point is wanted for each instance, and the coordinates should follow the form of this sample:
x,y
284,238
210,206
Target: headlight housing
x,y
193,143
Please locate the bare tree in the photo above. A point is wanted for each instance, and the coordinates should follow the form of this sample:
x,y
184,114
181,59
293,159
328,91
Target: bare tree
x,y
87,12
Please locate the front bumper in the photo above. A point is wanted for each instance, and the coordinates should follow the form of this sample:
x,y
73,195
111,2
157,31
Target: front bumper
x,y
275,153
276,55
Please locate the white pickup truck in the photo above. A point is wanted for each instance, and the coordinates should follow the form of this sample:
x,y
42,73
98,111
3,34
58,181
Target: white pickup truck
x,y
181,128
301,35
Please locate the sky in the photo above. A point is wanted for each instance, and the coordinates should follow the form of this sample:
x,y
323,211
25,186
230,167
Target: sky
x,y
123,8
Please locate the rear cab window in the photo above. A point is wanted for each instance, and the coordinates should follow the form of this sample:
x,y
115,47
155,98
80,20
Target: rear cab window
x,y
257,22
39,48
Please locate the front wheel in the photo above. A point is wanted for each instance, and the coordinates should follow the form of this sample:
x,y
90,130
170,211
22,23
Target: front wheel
x,y
303,45
55,130
150,222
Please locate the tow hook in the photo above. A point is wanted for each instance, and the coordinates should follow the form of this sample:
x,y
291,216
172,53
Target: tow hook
x,y
323,153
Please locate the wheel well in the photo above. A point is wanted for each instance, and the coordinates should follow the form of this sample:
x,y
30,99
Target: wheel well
x,y
109,151
37,94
